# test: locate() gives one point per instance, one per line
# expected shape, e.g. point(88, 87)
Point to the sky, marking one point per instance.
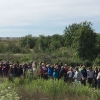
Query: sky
point(45, 17)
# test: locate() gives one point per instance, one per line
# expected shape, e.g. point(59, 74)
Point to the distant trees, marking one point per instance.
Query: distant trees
point(28, 41)
point(78, 37)
point(48, 44)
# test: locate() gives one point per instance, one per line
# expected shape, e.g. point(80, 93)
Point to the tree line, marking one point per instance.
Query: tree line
point(80, 38)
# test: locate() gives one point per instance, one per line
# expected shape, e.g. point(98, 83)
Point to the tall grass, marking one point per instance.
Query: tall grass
point(40, 89)
point(7, 90)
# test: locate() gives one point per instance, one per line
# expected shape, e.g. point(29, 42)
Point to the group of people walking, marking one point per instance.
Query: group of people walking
point(79, 74)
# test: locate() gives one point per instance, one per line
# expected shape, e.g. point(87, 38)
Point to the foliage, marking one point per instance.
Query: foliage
point(7, 92)
point(79, 43)
point(87, 40)
point(28, 41)
point(82, 38)
point(50, 90)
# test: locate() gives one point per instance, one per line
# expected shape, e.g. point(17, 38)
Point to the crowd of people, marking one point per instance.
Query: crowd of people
point(79, 74)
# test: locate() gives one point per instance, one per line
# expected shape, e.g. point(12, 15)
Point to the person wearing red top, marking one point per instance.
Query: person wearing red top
point(66, 68)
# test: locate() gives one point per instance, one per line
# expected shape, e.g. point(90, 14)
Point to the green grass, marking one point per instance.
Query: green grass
point(41, 89)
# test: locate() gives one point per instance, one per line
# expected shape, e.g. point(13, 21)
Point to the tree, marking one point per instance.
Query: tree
point(28, 41)
point(70, 34)
point(82, 38)
point(97, 44)
point(87, 39)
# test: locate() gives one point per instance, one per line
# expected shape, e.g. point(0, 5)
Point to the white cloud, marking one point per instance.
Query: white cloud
point(53, 12)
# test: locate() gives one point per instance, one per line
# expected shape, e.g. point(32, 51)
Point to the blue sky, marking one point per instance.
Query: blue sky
point(45, 17)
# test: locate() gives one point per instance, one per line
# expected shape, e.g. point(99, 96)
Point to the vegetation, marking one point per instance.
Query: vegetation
point(26, 89)
point(79, 44)
point(7, 92)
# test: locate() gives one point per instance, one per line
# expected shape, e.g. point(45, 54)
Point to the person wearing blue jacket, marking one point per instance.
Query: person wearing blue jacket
point(50, 71)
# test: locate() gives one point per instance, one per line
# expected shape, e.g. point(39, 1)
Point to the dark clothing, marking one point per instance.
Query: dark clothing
point(90, 81)
point(98, 83)
point(45, 72)
point(84, 73)
point(6, 68)
point(95, 74)
point(15, 71)
point(62, 72)
point(0, 71)
point(20, 71)
point(95, 78)
point(83, 82)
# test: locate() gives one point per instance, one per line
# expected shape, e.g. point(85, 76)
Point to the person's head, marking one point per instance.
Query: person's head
point(65, 65)
point(76, 68)
point(95, 68)
point(70, 68)
point(99, 69)
point(83, 67)
point(43, 64)
point(20, 65)
point(47, 65)
point(61, 64)
point(11, 66)
point(90, 68)
point(56, 66)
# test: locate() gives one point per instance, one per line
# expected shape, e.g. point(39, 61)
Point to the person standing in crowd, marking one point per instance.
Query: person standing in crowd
point(80, 67)
point(84, 73)
point(44, 70)
point(49, 70)
point(90, 74)
point(7, 68)
point(55, 72)
point(40, 71)
point(20, 70)
point(3, 69)
point(62, 74)
point(34, 70)
point(66, 69)
point(78, 76)
point(95, 76)
point(0, 70)
point(15, 70)
point(11, 70)
point(98, 79)
point(70, 74)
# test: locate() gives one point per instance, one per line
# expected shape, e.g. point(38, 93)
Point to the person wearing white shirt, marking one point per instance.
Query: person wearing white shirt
point(78, 75)
point(70, 74)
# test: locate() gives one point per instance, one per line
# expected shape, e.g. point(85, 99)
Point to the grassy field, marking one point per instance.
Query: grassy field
point(39, 89)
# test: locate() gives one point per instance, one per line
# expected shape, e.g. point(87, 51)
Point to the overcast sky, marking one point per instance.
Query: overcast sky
point(45, 17)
